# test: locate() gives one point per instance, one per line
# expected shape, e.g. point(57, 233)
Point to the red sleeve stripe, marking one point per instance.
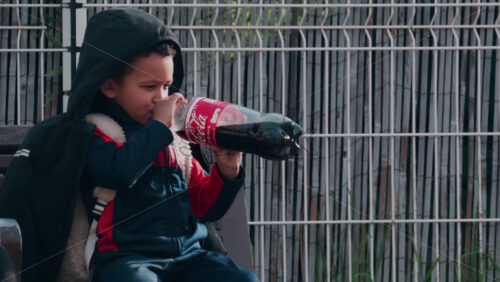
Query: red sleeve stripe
point(167, 158)
point(106, 242)
point(106, 138)
point(203, 189)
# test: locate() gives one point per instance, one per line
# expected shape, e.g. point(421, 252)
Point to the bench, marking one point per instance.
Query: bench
point(232, 229)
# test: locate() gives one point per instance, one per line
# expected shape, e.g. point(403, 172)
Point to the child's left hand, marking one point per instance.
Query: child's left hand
point(228, 162)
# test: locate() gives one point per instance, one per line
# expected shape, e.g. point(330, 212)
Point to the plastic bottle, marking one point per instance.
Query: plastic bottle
point(229, 126)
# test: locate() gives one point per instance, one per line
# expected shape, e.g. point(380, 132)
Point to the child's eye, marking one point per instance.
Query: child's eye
point(166, 86)
point(150, 87)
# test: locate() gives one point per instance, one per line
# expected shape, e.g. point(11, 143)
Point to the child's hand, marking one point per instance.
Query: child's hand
point(165, 109)
point(228, 162)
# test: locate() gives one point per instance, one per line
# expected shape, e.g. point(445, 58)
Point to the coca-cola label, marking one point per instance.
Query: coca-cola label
point(201, 120)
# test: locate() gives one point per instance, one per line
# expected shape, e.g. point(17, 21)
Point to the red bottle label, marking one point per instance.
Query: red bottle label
point(201, 120)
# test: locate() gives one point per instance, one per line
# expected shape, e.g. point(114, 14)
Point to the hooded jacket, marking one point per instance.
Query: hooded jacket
point(157, 211)
point(41, 184)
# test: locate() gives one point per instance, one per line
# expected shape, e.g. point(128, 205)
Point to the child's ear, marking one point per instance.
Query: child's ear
point(109, 88)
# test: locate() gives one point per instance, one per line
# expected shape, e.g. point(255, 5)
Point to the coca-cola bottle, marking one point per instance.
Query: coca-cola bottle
point(229, 126)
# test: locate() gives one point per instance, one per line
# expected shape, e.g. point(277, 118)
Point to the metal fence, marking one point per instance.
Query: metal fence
point(398, 178)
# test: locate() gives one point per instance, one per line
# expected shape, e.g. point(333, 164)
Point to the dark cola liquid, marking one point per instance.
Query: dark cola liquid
point(270, 140)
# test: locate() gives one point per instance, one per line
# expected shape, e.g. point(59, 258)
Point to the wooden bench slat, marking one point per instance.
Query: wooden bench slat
point(5, 161)
point(13, 135)
point(11, 138)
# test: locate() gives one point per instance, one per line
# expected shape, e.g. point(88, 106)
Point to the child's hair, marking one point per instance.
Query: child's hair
point(163, 49)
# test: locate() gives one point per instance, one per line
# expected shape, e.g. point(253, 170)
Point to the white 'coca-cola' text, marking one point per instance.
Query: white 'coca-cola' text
point(197, 128)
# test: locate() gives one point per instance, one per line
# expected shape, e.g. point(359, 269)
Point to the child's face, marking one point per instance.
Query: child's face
point(138, 91)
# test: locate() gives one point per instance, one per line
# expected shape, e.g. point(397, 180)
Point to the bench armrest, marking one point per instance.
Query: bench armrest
point(233, 231)
point(10, 247)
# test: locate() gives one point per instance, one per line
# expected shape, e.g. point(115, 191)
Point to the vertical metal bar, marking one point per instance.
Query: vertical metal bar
point(348, 141)
point(238, 54)
point(170, 14)
point(283, 206)
point(391, 121)
point(414, 140)
point(456, 79)
point(283, 163)
point(74, 22)
point(42, 74)
point(216, 39)
point(370, 146)
point(326, 143)
point(66, 43)
point(497, 31)
point(18, 68)
point(436, 139)
point(306, 144)
point(261, 160)
point(195, 60)
point(478, 126)
point(73, 37)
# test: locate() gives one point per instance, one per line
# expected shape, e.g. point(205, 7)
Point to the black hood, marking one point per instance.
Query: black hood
point(112, 38)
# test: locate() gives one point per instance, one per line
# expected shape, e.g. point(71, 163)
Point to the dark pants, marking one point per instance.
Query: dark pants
point(206, 266)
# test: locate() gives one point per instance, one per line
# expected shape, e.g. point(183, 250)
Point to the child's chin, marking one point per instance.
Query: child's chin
point(143, 121)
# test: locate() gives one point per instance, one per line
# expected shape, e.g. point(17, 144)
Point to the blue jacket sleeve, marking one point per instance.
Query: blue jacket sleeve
point(117, 167)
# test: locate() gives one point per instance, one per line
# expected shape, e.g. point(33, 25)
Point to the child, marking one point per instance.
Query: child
point(129, 64)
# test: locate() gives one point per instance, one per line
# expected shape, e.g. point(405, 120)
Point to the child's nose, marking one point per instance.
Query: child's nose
point(160, 95)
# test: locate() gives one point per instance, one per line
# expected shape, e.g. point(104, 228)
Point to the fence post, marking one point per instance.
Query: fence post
point(74, 24)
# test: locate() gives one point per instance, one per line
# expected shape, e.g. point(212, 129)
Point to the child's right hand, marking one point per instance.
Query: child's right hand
point(165, 109)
